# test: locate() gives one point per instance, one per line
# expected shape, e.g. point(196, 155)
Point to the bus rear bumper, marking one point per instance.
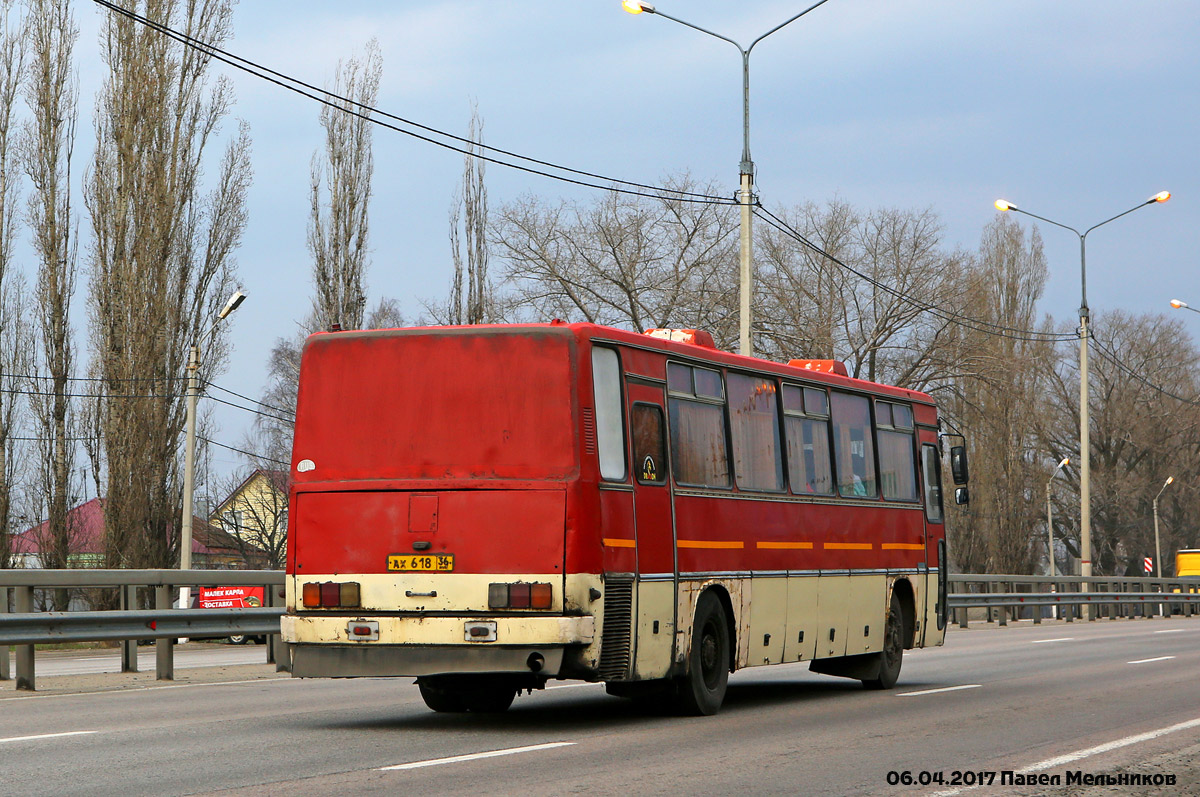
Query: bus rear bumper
point(322, 647)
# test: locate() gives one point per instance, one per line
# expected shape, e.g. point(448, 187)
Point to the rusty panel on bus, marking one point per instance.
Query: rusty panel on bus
point(484, 403)
point(484, 531)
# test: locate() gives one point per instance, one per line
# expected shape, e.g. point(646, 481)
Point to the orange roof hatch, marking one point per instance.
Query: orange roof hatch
point(696, 337)
point(824, 366)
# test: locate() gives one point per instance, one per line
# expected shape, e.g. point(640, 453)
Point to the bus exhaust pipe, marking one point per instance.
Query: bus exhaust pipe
point(536, 662)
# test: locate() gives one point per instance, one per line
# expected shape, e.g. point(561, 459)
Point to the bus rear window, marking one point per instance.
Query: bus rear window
point(426, 404)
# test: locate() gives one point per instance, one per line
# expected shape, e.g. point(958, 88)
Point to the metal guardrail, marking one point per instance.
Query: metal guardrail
point(1015, 597)
point(26, 628)
point(1002, 596)
point(42, 628)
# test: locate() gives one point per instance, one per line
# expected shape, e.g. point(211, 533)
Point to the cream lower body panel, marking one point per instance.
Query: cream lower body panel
point(415, 646)
point(300, 630)
point(792, 617)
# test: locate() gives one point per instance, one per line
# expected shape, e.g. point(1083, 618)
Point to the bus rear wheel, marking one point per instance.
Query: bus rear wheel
point(456, 695)
point(447, 701)
point(702, 690)
point(892, 655)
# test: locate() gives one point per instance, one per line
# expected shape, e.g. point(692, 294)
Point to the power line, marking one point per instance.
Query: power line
point(280, 410)
point(1115, 359)
point(331, 99)
point(245, 453)
point(47, 377)
point(288, 421)
point(16, 392)
point(977, 324)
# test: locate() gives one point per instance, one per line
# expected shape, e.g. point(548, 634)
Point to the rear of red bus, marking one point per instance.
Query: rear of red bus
point(432, 475)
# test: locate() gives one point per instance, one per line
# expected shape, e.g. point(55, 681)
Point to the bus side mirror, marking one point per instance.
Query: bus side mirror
point(958, 465)
point(961, 496)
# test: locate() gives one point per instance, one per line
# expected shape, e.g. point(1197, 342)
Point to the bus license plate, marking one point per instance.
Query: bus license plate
point(435, 563)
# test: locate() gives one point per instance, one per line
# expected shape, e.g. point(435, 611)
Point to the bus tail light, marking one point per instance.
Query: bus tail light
point(540, 596)
point(521, 595)
point(332, 595)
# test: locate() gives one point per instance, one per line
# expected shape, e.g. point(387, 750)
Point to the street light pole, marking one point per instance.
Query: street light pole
point(1157, 548)
point(189, 446)
point(1050, 515)
point(745, 168)
point(1085, 470)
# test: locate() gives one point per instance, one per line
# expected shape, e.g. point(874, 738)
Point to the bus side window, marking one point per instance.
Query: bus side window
point(853, 446)
point(931, 472)
point(699, 455)
point(649, 446)
point(806, 427)
point(610, 422)
point(897, 465)
point(754, 428)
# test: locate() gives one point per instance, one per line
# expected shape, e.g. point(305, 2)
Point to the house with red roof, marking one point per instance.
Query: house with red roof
point(212, 548)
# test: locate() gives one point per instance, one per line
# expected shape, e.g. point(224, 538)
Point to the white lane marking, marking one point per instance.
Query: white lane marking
point(474, 756)
point(1068, 758)
point(1170, 631)
point(1147, 661)
point(569, 686)
point(45, 736)
point(1060, 639)
point(942, 689)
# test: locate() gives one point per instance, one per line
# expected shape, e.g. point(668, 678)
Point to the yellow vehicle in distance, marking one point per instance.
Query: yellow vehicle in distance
point(1187, 563)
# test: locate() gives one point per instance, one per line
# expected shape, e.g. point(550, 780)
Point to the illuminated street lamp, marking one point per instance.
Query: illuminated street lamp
point(1179, 304)
point(1085, 505)
point(746, 168)
point(1050, 514)
point(1157, 548)
point(189, 450)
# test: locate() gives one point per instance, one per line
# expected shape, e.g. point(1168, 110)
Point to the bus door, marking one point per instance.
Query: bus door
point(935, 546)
point(657, 574)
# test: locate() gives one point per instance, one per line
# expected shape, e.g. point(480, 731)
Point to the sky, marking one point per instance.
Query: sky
point(1075, 110)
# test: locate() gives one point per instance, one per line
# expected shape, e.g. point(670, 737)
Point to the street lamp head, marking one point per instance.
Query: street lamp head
point(1004, 204)
point(1066, 461)
point(231, 305)
point(1161, 196)
point(1178, 303)
point(636, 6)
point(1169, 480)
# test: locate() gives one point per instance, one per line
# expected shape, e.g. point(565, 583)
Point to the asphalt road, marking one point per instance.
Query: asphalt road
point(1097, 698)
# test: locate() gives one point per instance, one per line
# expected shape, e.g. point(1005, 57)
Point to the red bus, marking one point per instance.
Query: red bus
point(487, 508)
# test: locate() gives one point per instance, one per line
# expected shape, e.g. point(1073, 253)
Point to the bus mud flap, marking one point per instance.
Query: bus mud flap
point(862, 667)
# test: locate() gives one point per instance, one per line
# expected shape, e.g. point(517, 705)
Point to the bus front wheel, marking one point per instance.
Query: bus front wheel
point(702, 690)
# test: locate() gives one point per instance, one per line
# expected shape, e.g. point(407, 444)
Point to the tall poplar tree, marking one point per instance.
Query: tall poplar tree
point(161, 257)
point(52, 92)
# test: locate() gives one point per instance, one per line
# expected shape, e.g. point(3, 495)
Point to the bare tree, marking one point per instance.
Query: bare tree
point(869, 306)
point(337, 229)
point(630, 261)
point(478, 305)
point(996, 398)
point(12, 346)
point(47, 147)
point(161, 257)
point(1145, 426)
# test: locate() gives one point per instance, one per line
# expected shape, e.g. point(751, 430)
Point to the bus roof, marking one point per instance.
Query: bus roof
point(584, 331)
